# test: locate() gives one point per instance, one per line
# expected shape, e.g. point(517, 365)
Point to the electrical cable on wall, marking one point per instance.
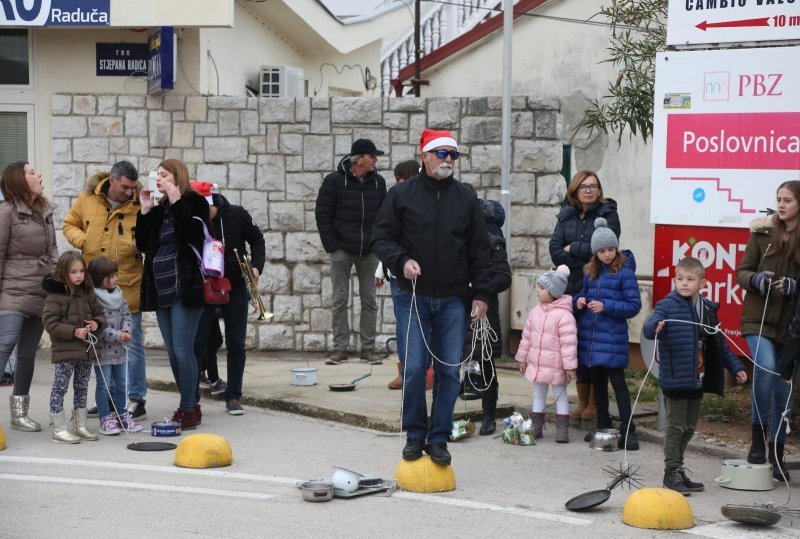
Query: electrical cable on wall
point(369, 81)
point(214, 63)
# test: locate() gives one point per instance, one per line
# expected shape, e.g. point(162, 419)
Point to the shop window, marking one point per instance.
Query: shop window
point(14, 57)
point(14, 132)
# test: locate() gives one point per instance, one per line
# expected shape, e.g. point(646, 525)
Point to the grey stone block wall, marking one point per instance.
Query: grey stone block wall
point(270, 156)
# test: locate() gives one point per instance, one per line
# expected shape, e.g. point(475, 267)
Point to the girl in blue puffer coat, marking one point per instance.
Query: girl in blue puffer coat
point(609, 296)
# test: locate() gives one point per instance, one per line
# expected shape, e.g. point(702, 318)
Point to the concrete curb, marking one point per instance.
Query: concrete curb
point(327, 414)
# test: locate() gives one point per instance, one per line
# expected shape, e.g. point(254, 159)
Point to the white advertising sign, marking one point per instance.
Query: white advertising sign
point(726, 133)
point(732, 21)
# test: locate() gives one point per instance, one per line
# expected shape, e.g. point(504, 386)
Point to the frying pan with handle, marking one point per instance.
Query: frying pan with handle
point(588, 500)
point(351, 386)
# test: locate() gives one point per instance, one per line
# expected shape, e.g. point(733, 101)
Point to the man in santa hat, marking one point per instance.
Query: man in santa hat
point(430, 232)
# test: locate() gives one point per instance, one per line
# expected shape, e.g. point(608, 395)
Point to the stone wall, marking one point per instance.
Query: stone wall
point(270, 156)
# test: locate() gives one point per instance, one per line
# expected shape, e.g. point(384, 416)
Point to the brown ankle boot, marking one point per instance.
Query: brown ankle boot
point(537, 420)
point(397, 383)
point(590, 412)
point(583, 400)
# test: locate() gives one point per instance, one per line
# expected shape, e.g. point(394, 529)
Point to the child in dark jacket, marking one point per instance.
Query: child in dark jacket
point(71, 312)
point(691, 361)
point(609, 296)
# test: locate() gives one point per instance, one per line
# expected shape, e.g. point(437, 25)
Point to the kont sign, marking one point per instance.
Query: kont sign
point(720, 250)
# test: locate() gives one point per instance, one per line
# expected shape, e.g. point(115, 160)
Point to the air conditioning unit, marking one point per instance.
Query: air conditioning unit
point(281, 81)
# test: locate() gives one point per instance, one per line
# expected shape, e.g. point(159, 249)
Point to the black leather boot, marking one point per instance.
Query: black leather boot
point(488, 426)
point(489, 405)
point(778, 464)
point(757, 453)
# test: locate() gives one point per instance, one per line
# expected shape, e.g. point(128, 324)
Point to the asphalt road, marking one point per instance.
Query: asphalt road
point(102, 489)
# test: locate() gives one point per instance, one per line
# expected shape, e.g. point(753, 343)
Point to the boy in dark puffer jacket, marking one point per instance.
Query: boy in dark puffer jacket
point(691, 361)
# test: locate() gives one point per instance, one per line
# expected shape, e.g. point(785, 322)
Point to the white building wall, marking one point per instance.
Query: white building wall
point(564, 59)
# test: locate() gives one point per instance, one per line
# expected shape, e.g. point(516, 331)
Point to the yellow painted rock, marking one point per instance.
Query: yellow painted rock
point(2, 439)
point(658, 509)
point(424, 475)
point(203, 451)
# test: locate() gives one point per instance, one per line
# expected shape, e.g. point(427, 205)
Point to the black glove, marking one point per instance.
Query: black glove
point(789, 286)
point(789, 354)
point(760, 281)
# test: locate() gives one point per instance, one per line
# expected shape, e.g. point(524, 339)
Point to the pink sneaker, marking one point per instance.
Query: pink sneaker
point(109, 426)
point(127, 423)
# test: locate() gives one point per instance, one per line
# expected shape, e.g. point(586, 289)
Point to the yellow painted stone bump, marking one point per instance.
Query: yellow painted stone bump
point(424, 475)
point(658, 509)
point(203, 451)
point(2, 439)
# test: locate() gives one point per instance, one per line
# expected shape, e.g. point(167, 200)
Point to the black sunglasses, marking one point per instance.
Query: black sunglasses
point(442, 154)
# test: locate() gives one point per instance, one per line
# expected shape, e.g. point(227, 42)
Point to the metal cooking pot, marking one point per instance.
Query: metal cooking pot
point(317, 491)
point(605, 440)
point(304, 376)
point(738, 474)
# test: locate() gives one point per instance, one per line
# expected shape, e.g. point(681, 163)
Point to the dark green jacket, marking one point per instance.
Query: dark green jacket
point(753, 261)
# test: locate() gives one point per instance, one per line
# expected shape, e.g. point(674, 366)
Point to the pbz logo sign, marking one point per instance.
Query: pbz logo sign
point(54, 12)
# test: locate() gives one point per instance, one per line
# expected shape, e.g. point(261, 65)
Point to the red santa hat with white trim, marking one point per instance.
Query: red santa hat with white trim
point(431, 139)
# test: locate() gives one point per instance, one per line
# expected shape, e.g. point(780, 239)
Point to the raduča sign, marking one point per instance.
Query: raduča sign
point(55, 12)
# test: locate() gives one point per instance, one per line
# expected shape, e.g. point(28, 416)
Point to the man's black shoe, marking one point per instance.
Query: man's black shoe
point(691, 486)
point(413, 449)
point(673, 480)
point(439, 453)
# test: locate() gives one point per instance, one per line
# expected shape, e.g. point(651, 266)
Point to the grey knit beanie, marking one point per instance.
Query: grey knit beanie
point(603, 237)
point(555, 281)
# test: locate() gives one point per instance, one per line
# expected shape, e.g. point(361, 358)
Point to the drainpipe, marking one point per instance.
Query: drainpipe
point(505, 171)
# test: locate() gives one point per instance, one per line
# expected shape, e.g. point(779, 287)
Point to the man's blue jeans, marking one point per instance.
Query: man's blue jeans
point(178, 325)
point(137, 377)
point(442, 322)
point(770, 392)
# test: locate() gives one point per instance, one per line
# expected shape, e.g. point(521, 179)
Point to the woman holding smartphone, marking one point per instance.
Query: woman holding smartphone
point(172, 285)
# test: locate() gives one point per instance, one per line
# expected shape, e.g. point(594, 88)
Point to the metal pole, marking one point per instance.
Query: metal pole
point(417, 71)
point(505, 142)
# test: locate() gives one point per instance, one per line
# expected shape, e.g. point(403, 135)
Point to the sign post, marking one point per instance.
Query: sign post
point(161, 61)
point(732, 21)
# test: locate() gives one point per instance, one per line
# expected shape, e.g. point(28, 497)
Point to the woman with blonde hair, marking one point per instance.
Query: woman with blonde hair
point(570, 245)
point(172, 284)
point(27, 254)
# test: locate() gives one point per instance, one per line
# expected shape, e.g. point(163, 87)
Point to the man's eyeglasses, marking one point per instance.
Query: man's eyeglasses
point(442, 154)
point(589, 188)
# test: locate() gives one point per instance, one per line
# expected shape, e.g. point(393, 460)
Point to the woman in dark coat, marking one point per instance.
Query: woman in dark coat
point(172, 285)
point(570, 245)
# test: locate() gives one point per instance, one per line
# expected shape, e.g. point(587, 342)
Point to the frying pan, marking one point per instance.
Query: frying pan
point(588, 500)
point(759, 516)
point(351, 386)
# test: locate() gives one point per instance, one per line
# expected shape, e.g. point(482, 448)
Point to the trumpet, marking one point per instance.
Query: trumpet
point(252, 289)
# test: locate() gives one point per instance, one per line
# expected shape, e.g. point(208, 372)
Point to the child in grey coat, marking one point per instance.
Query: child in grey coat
point(111, 351)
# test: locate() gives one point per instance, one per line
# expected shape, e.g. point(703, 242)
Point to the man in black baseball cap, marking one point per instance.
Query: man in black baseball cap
point(347, 204)
point(364, 146)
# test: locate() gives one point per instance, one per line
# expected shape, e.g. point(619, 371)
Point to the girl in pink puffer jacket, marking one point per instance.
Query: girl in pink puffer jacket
point(548, 351)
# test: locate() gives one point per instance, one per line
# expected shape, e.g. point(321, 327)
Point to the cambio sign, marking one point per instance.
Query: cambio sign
point(726, 134)
point(54, 12)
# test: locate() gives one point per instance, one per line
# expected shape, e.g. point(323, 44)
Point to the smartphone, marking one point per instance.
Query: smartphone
point(152, 185)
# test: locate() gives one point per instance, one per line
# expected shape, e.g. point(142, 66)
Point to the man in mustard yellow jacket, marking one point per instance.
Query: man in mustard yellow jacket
point(102, 222)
